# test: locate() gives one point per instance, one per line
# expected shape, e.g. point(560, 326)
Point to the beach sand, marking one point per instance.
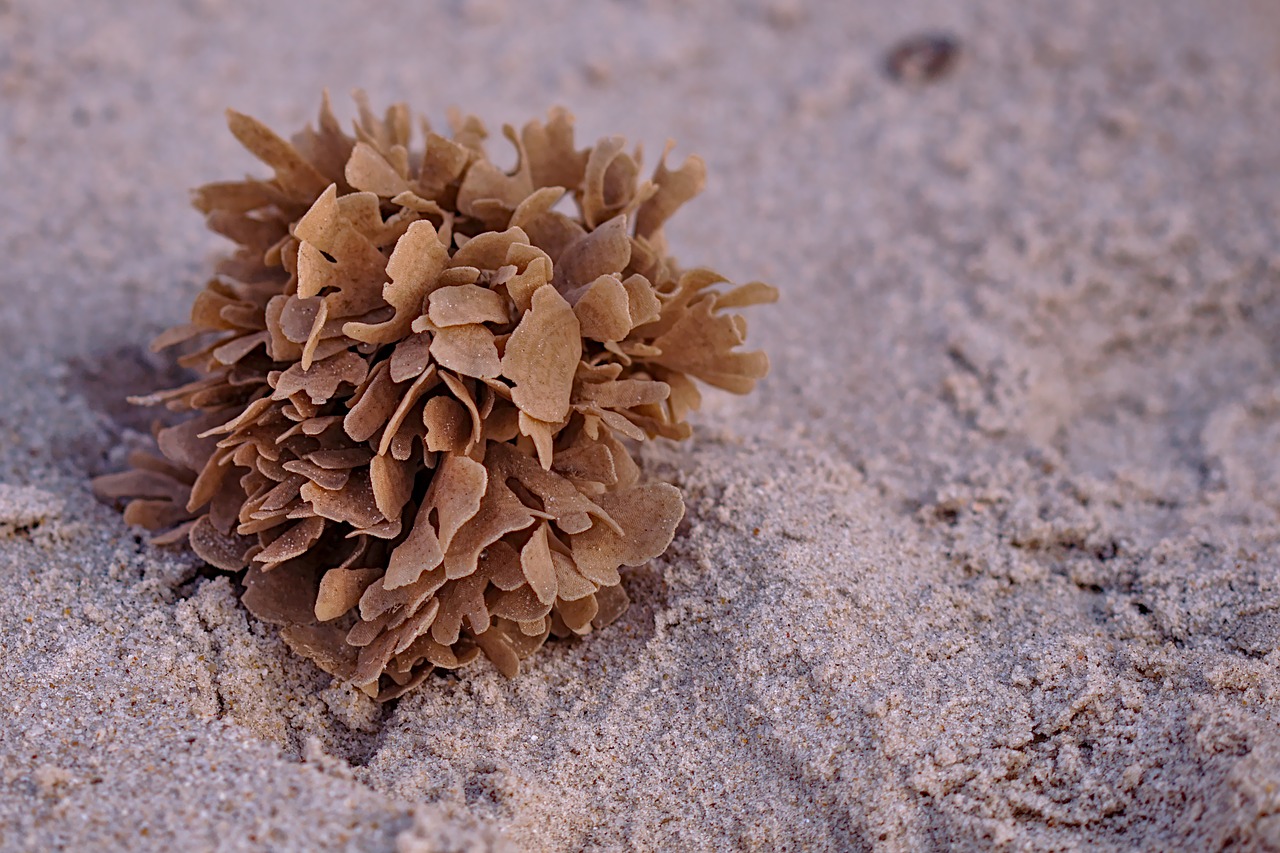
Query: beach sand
point(990, 561)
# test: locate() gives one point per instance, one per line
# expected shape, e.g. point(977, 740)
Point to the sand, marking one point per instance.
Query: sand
point(990, 561)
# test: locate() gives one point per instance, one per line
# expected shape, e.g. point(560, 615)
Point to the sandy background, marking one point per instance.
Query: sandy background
point(990, 561)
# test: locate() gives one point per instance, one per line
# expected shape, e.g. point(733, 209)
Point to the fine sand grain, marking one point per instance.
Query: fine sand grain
point(991, 559)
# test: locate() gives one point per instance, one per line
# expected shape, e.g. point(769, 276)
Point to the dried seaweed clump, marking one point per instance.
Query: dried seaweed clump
point(418, 381)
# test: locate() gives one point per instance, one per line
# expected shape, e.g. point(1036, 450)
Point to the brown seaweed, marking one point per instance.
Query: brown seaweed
point(417, 378)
